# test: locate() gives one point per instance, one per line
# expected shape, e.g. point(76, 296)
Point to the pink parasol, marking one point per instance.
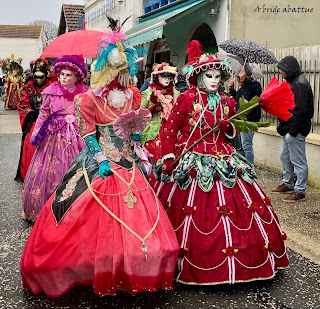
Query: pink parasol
point(80, 42)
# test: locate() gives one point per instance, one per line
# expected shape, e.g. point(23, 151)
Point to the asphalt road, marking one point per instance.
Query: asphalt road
point(296, 287)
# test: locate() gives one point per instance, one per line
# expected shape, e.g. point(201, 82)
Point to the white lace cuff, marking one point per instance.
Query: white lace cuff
point(234, 132)
point(100, 156)
point(168, 156)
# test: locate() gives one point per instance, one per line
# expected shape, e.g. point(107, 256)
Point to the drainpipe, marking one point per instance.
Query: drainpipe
point(228, 20)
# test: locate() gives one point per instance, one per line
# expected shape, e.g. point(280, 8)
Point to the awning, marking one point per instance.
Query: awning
point(151, 27)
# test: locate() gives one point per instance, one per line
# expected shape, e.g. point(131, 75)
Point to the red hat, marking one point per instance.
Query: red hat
point(201, 62)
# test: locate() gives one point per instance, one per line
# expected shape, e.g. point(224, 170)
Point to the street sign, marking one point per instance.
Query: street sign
point(1, 64)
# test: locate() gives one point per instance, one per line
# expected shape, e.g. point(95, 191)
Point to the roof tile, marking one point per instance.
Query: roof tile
point(20, 31)
point(72, 13)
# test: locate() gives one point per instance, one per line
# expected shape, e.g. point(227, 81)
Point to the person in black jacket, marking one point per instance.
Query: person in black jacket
point(294, 132)
point(249, 88)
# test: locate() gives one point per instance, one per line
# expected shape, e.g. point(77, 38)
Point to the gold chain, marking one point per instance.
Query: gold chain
point(142, 239)
point(110, 194)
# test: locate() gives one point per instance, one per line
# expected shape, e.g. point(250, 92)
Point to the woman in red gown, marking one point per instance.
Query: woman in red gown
point(28, 108)
point(226, 227)
point(109, 232)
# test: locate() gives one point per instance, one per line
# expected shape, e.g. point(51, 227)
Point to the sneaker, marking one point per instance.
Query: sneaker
point(294, 197)
point(282, 189)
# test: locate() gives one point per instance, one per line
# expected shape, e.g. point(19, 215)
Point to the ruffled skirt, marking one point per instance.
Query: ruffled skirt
point(88, 245)
point(226, 227)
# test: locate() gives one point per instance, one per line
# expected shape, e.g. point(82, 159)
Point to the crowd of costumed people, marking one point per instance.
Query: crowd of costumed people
point(134, 190)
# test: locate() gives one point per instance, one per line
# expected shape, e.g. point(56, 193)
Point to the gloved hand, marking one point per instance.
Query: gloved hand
point(225, 126)
point(33, 140)
point(93, 145)
point(136, 137)
point(105, 169)
point(167, 167)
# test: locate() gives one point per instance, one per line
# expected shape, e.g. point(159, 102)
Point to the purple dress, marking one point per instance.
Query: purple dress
point(59, 143)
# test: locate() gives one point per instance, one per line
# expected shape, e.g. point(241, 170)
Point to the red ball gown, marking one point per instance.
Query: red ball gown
point(28, 108)
point(110, 233)
point(226, 227)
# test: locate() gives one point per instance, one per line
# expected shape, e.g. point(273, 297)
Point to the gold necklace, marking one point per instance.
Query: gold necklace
point(142, 239)
point(130, 199)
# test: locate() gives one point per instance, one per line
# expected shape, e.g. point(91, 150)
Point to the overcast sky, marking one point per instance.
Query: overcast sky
point(22, 12)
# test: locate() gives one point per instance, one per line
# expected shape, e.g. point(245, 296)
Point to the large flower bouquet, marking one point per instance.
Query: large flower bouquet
point(163, 100)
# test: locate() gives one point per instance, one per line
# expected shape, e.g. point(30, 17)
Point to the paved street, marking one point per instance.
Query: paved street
point(294, 288)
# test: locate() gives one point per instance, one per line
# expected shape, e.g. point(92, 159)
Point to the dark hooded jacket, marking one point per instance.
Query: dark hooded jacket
point(250, 89)
point(300, 122)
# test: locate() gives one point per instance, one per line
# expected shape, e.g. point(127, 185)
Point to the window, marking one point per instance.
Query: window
point(151, 5)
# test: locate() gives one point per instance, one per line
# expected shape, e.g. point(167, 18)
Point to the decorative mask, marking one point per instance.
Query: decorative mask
point(211, 79)
point(165, 79)
point(39, 78)
point(67, 78)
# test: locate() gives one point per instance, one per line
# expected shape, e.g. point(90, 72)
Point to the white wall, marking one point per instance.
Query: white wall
point(28, 49)
point(122, 10)
point(267, 144)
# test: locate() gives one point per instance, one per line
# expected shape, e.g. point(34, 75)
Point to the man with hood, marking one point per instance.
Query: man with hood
point(294, 132)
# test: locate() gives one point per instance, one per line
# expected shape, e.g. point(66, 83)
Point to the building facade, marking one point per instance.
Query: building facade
point(23, 41)
point(165, 28)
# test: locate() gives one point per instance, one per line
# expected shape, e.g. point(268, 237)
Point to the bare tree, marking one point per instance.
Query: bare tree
point(50, 29)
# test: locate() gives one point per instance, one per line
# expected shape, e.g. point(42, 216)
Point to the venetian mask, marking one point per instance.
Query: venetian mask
point(39, 78)
point(67, 78)
point(211, 79)
point(165, 79)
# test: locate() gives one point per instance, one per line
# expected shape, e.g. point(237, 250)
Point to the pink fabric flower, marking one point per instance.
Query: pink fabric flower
point(115, 154)
point(196, 114)
point(70, 118)
point(133, 122)
point(166, 107)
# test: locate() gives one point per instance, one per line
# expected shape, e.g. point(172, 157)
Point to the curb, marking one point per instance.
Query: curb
point(304, 245)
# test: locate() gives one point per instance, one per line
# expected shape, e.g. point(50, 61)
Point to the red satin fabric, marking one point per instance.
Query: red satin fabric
point(206, 251)
point(89, 247)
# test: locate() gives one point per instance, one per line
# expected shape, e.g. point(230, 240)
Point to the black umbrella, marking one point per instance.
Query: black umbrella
point(249, 51)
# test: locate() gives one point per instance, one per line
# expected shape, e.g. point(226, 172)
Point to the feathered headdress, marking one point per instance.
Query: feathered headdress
point(114, 55)
point(15, 66)
point(41, 65)
point(199, 61)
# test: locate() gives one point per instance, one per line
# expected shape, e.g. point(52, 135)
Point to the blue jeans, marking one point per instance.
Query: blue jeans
point(293, 157)
point(246, 142)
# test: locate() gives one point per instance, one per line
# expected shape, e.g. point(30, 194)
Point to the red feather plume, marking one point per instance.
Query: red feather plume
point(277, 99)
point(194, 50)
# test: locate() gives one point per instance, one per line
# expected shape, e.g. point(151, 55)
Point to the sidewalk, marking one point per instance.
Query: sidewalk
point(299, 220)
point(9, 120)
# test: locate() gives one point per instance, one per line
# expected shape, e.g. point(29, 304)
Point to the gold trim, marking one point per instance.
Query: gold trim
point(125, 109)
point(117, 218)
point(236, 281)
point(93, 132)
